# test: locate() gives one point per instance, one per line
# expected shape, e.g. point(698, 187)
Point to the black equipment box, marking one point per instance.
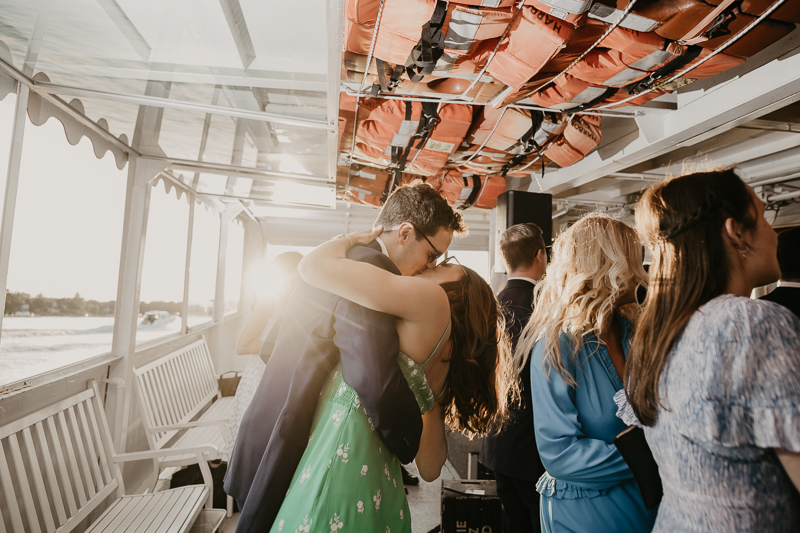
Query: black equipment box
point(470, 506)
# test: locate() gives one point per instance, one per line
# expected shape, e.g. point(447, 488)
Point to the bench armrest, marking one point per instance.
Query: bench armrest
point(199, 451)
point(189, 425)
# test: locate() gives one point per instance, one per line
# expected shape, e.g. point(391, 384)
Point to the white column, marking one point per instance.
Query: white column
point(12, 183)
point(141, 170)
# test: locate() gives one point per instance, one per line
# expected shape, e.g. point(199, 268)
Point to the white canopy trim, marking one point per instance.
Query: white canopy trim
point(40, 111)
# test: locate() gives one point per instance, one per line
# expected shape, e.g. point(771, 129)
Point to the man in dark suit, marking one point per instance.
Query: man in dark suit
point(788, 292)
point(318, 331)
point(512, 454)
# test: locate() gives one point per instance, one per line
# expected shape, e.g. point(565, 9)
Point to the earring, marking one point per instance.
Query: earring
point(744, 256)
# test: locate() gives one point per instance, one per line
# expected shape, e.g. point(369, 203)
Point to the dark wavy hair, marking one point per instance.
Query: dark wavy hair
point(682, 221)
point(481, 379)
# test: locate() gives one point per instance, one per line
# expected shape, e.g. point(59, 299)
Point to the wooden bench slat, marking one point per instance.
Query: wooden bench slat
point(177, 392)
point(127, 511)
point(164, 387)
point(193, 389)
point(102, 450)
point(55, 492)
point(182, 511)
point(25, 489)
point(62, 465)
point(72, 461)
point(147, 394)
point(88, 482)
point(17, 425)
point(154, 514)
point(89, 508)
point(92, 448)
point(38, 480)
point(10, 493)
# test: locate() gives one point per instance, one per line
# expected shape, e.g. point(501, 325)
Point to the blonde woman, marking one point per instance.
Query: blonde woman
point(578, 340)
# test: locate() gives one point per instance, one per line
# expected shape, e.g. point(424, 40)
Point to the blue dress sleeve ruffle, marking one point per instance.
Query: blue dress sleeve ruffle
point(752, 397)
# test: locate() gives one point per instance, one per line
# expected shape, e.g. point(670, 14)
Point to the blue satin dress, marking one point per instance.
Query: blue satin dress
point(588, 487)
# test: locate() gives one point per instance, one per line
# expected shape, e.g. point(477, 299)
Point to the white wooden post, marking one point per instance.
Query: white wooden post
point(188, 265)
point(141, 170)
point(12, 183)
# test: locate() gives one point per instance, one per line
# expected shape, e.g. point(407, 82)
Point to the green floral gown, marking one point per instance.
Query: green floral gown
point(347, 478)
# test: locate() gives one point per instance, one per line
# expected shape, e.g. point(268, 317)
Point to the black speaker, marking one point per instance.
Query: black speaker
point(518, 207)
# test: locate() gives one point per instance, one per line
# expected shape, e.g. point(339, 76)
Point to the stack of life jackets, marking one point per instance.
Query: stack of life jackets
point(506, 51)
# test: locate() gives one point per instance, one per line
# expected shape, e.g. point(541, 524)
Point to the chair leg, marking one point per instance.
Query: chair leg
point(229, 505)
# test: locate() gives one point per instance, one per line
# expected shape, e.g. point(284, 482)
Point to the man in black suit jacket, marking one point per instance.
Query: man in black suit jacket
point(788, 293)
point(512, 454)
point(318, 331)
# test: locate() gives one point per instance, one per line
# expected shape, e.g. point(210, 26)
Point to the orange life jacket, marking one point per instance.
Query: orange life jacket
point(533, 40)
point(463, 190)
point(572, 11)
point(788, 11)
point(399, 31)
point(447, 135)
point(580, 137)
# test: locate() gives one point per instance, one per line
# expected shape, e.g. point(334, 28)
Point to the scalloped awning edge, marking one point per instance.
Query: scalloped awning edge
point(40, 111)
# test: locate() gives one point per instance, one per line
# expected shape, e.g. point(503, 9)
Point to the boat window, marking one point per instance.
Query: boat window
point(203, 265)
point(65, 252)
point(477, 260)
point(161, 295)
point(233, 265)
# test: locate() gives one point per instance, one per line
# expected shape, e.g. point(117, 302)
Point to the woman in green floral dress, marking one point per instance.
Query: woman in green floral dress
point(456, 359)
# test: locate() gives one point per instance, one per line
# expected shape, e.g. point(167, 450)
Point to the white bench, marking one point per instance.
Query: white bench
point(58, 466)
point(171, 391)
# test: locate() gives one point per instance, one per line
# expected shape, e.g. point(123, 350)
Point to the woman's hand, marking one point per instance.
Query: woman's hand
point(362, 237)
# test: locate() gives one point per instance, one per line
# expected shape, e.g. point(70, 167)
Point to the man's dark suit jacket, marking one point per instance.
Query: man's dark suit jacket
point(319, 329)
point(789, 297)
point(513, 452)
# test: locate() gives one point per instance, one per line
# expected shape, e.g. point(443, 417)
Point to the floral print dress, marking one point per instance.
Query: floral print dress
point(347, 478)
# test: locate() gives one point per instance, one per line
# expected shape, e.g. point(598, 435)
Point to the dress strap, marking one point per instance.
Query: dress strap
point(438, 344)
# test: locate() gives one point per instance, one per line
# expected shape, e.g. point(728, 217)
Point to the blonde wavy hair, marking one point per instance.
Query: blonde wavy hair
point(594, 263)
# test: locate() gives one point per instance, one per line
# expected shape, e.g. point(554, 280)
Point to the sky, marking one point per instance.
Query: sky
point(69, 218)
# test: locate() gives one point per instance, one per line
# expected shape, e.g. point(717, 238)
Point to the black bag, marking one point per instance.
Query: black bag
point(191, 475)
point(635, 451)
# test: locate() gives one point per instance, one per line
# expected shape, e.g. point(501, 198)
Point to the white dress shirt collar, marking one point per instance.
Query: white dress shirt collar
point(524, 278)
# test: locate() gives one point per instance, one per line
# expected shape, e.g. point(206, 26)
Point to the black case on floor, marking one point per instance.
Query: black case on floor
point(469, 506)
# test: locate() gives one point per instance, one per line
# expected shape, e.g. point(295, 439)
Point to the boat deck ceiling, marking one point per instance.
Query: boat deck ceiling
point(250, 91)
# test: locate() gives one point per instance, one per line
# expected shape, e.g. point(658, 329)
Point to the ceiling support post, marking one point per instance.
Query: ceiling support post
point(12, 184)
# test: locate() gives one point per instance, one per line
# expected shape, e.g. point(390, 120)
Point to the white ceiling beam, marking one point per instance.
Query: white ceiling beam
point(233, 170)
point(756, 93)
point(153, 101)
point(335, 27)
point(126, 27)
point(293, 81)
point(238, 27)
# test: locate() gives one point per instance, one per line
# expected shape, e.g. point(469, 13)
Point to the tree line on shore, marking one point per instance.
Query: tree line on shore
point(40, 305)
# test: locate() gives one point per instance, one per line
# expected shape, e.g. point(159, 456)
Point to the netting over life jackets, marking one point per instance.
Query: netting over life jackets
point(581, 136)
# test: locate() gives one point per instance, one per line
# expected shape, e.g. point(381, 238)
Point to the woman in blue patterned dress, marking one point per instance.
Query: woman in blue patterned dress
point(454, 355)
point(578, 339)
point(714, 374)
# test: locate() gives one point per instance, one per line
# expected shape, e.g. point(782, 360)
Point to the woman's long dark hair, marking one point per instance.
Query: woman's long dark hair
point(481, 378)
point(682, 221)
